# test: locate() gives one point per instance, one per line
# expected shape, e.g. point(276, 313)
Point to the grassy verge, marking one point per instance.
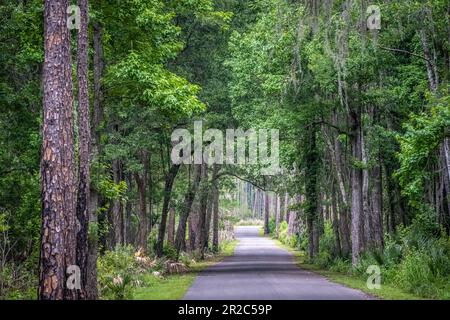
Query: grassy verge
point(174, 287)
point(388, 292)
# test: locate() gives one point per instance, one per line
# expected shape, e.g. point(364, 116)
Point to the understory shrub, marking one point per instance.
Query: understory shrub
point(118, 273)
point(326, 246)
point(416, 258)
point(272, 227)
point(18, 282)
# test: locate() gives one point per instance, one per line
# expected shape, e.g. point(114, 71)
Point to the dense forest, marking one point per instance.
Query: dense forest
point(91, 92)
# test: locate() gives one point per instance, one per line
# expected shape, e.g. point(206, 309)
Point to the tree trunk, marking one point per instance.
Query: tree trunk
point(127, 228)
point(58, 193)
point(292, 224)
point(116, 213)
point(215, 200)
point(445, 155)
point(148, 178)
point(338, 251)
point(84, 138)
point(366, 214)
point(336, 155)
point(93, 239)
point(203, 201)
point(211, 204)
point(166, 203)
point(266, 212)
point(311, 192)
point(277, 214)
point(180, 239)
point(141, 182)
point(356, 183)
point(193, 225)
point(91, 282)
point(286, 206)
point(171, 227)
point(377, 211)
point(344, 230)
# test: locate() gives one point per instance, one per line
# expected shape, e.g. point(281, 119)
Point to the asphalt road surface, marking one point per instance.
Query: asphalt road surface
point(260, 270)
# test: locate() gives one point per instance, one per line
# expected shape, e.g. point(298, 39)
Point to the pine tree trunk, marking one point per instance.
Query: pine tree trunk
point(84, 139)
point(58, 187)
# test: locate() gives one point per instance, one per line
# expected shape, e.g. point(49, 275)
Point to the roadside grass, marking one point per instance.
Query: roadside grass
point(386, 291)
point(175, 286)
point(261, 232)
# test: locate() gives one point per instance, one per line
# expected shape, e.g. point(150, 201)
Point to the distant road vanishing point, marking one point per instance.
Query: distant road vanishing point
point(260, 270)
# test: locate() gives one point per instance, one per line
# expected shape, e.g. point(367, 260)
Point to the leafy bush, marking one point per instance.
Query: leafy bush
point(118, 273)
point(415, 275)
point(326, 246)
point(185, 258)
point(272, 227)
point(170, 252)
point(17, 282)
point(341, 265)
point(392, 253)
point(426, 271)
point(289, 240)
point(416, 259)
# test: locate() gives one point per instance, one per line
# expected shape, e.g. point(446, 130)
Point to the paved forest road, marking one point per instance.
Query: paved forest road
point(260, 270)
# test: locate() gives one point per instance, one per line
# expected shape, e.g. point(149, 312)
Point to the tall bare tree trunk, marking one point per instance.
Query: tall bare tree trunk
point(58, 187)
